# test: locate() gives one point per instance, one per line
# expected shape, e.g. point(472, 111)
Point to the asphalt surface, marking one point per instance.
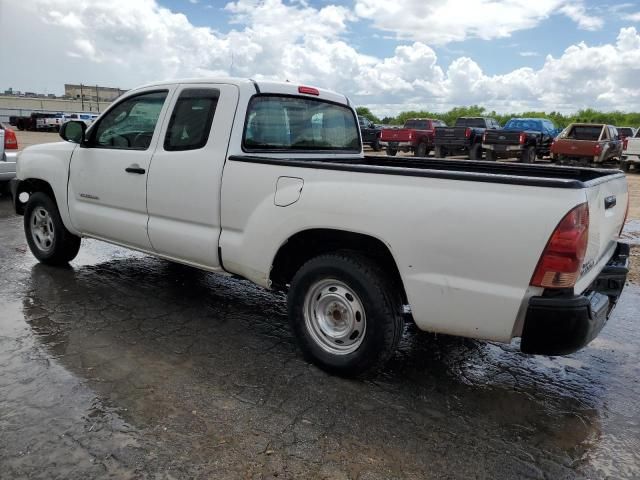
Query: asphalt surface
point(125, 366)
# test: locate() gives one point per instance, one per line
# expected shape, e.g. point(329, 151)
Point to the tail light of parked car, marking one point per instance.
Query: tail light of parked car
point(561, 261)
point(410, 135)
point(523, 138)
point(597, 150)
point(484, 137)
point(467, 133)
point(10, 140)
point(625, 142)
point(553, 145)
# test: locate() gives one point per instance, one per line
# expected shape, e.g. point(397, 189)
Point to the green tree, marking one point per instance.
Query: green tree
point(365, 112)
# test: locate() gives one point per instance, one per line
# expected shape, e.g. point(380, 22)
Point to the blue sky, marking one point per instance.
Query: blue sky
point(506, 55)
point(497, 56)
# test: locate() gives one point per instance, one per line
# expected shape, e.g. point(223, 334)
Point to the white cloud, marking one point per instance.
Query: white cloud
point(439, 22)
point(294, 41)
point(529, 54)
point(634, 17)
point(578, 13)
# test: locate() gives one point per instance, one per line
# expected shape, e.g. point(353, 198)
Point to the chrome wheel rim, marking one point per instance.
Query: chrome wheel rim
point(42, 231)
point(335, 317)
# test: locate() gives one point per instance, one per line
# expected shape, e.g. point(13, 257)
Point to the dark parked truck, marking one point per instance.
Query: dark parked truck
point(587, 144)
point(523, 138)
point(370, 133)
point(416, 136)
point(465, 138)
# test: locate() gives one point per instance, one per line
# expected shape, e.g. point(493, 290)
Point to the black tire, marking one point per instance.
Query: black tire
point(376, 145)
point(381, 310)
point(64, 245)
point(529, 155)
point(475, 152)
point(624, 166)
point(392, 151)
point(439, 152)
point(421, 150)
point(489, 156)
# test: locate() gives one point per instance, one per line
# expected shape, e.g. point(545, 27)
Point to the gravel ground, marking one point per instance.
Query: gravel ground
point(126, 366)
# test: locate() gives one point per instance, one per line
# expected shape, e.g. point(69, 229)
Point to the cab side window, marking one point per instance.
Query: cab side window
point(130, 124)
point(191, 119)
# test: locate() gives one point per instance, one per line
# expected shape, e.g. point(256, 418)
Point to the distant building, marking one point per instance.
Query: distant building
point(92, 92)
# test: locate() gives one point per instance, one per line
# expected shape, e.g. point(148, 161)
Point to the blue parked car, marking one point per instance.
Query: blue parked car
point(523, 138)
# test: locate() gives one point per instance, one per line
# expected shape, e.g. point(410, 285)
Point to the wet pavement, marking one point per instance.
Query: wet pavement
point(125, 366)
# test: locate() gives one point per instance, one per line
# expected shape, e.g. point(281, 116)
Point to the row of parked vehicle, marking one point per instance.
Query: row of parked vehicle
point(50, 121)
point(526, 139)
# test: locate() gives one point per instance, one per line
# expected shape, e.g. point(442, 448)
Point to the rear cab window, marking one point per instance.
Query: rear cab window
point(283, 123)
point(584, 132)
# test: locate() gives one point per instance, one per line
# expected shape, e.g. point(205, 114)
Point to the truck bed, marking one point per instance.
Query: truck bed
point(465, 170)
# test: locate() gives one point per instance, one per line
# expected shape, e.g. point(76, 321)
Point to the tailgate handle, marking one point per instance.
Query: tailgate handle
point(610, 202)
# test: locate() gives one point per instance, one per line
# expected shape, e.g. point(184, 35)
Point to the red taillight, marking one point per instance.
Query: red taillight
point(597, 149)
point(553, 144)
point(10, 140)
point(484, 137)
point(523, 138)
point(561, 262)
point(625, 143)
point(309, 90)
point(467, 133)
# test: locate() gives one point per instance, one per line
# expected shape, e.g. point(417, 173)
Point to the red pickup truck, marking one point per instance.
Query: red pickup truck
point(415, 136)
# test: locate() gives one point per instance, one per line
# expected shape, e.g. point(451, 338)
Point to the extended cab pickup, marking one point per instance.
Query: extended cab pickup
point(268, 181)
point(523, 138)
point(631, 153)
point(415, 136)
point(587, 144)
point(463, 138)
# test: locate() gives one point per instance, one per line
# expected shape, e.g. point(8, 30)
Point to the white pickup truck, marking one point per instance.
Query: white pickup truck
point(631, 153)
point(268, 181)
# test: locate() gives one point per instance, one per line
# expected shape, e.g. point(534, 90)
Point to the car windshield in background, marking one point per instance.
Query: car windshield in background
point(417, 124)
point(523, 125)
point(471, 122)
point(584, 132)
point(625, 132)
point(279, 123)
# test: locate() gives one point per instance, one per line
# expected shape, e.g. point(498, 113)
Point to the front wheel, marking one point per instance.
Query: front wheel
point(345, 315)
point(489, 156)
point(47, 237)
point(475, 152)
point(376, 145)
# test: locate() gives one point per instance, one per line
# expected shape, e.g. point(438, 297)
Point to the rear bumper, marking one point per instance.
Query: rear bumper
point(396, 144)
point(564, 324)
point(502, 148)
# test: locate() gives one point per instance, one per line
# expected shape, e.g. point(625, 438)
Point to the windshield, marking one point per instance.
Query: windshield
point(521, 125)
point(625, 131)
point(282, 123)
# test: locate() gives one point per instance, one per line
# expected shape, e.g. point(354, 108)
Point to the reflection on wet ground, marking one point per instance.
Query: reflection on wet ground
point(127, 366)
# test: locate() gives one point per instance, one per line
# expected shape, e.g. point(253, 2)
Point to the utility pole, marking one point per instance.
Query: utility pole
point(98, 98)
point(82, 97)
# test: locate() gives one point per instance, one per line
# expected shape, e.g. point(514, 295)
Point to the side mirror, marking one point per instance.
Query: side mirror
point(73, 131)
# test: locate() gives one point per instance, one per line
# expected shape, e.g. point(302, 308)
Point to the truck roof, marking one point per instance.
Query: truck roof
point(263, 86)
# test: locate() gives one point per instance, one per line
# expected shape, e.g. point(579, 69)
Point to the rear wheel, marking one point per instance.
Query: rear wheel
point(344, 313)
point(421, 150)
point(475, 152)
point(624, 166)
point(376, 145)
point(489, 156)
point(392, 151)
point(529, 155)
point(439, 152)
point(47, 237)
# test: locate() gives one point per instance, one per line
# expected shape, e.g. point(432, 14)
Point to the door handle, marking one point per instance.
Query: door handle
point(134, 169)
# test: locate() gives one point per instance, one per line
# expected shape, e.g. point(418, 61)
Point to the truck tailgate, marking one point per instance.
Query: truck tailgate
point(396, 135)
point(579, 148)
point(607, 200)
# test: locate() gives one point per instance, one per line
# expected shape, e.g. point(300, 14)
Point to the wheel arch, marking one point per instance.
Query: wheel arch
point(307, 244)
point(31, 186)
